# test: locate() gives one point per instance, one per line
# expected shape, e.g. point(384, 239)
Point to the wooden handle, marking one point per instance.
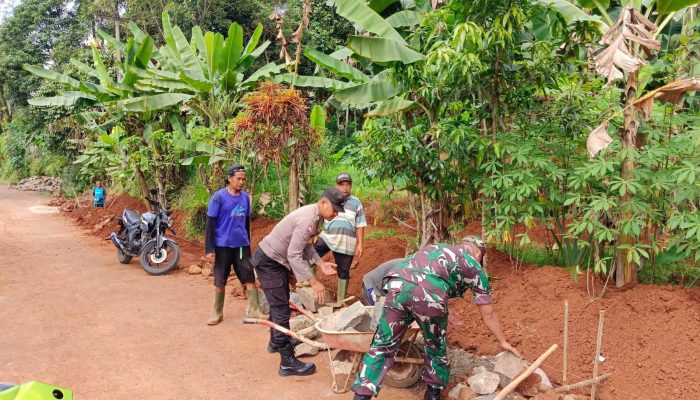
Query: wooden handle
point(313, 343)
point(502, 395)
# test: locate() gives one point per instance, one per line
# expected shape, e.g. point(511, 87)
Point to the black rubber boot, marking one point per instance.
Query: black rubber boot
point(432, 393)
point(361, 397)
point(290, 365)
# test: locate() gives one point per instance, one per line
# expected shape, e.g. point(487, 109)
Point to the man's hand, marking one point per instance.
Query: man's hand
point(507, 347)
point(319, 291)
point(327, 267)
point(210, 258)
point(358, 251)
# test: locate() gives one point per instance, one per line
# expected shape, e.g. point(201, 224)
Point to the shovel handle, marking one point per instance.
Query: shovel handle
point(270, 324)
point(302, 310)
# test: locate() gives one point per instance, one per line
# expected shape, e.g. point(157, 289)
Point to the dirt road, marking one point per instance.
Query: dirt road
point(71, 315)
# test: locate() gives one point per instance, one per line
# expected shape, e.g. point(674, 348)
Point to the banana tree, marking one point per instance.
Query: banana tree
point(628, 43)
point(382, 45)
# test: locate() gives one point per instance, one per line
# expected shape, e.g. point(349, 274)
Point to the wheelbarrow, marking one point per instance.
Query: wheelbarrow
point(351, 347)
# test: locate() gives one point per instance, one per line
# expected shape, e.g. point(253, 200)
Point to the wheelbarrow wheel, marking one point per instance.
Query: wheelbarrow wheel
point(403, 375)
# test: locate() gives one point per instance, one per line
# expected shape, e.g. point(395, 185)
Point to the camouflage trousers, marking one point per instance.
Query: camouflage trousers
point(405, 303)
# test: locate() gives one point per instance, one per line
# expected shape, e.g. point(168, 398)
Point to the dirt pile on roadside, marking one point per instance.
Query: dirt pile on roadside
point(39, 184)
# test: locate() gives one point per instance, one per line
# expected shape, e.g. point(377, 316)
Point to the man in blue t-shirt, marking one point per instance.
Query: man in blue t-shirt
point(99, 195)
point(227, 242)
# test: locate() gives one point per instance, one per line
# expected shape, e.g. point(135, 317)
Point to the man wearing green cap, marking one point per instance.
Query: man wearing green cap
point(344, 235)
point(417, 290)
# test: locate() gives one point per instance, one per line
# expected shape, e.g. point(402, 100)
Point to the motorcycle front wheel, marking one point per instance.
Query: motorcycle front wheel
point(159, 264)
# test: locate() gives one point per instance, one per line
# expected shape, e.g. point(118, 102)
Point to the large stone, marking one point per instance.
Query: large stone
point(299, 322)
point(325, 311)
point(350, 317)
point(509, 365)
point(295, 298)
point(305, 349)
point(341, 367)
point(206, 272)
point(484, 382)
point(308, 298)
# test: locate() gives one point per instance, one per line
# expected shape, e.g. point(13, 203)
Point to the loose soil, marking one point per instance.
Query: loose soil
point(651, 338)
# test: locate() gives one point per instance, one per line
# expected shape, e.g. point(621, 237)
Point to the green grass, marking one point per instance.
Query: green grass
point(676, 274)
point(362, 188)
point(379, 234)
point(531, 254)
point(193, 199)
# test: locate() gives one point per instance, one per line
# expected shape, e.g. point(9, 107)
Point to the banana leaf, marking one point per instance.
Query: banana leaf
point(383, 50)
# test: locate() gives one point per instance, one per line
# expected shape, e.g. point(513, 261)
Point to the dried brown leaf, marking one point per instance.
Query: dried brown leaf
point(669, 93)
point(631, 27)
point(598, 139)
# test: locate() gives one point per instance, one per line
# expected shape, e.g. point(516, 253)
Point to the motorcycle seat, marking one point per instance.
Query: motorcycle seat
point(131, 217)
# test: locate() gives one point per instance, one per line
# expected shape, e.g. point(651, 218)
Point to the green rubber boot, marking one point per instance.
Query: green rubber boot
point(218, 314)
point(342, 290)
point(253, 309)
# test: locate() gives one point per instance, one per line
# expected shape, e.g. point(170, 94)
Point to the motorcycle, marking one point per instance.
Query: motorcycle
point(142, 235)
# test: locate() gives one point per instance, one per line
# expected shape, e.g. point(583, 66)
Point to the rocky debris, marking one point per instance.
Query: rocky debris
point(206, 272)
point(106, 220)
point(194, 269)
point(305, 349)
point(39, 184)
point(353, 317)
point(508, 366)
point(237, 289)
point(461, 392)
point(485, 382)
point(308, 298)
point(299, 322)
point(575, 397)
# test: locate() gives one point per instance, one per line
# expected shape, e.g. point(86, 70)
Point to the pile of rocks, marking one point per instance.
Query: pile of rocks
point(39, 184)
point(483, 382)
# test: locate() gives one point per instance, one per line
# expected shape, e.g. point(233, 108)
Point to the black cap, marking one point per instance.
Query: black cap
point(235, 168)
point(344, 177)
point(336, 197)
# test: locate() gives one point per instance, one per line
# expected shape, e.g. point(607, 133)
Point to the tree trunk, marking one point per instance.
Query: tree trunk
point(5, 111)
point(293, 202)
point(432, 228)
point(626, 271)
point(144, 185)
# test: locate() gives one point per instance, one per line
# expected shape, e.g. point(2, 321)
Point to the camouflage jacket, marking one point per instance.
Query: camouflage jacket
point(444, 271)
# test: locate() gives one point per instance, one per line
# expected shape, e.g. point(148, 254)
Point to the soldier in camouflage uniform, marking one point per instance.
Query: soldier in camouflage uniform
point(417, 290)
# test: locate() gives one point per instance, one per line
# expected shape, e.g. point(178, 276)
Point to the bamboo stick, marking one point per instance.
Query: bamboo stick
point(599, 343)
point(581, 384)
point(509, 388)
point(566, 343)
